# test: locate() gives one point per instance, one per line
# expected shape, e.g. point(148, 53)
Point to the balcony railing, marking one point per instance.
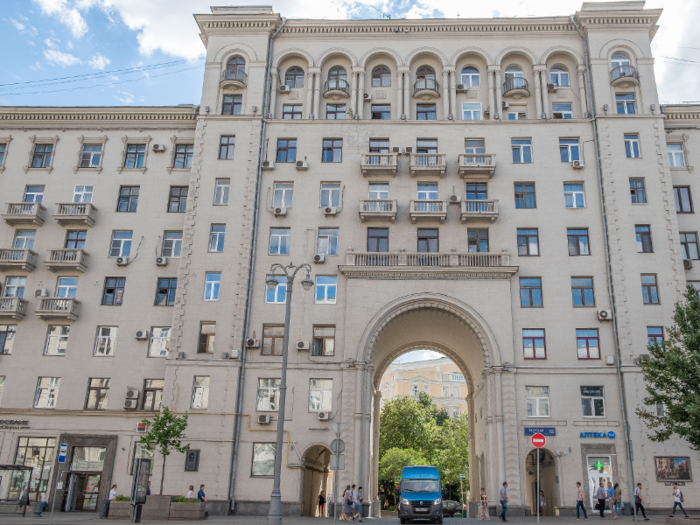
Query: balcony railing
point(234, 76)
point(624, 73)
point(336, 86)
point(72, 213)
point(14, 259)
point(58, 307)
point(479, 210)
point(377, 209)
point(428, 210)
point(427, 86)
point(13, 307)
point(379, 164)
point(24, 213)
point(428, 259)
point(516, 86)
point(428, 164)
point(477, 165)
point(70, 259)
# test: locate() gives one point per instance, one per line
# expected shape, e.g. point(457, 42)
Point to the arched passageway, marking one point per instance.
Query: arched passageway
point(549, 481)
point(315, 479)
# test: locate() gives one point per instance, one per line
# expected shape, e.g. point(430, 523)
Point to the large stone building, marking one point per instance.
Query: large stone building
point(498, 190)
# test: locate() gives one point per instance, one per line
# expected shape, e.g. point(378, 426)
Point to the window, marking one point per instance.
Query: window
point(294, 78)
point(530, 291)
point(233, 104)
point(291, 112)
point(90, 156)
point(165, 291)
point(533, 344)
point(83, 193)
point(273, 340)
point(326, 286)
point(135, 155)
point(34, 194)
point(97, 394)
point(221, 190)
point(56, 340)
point(237, 67)
point(522, 151)
point(582, 291)
point(7, 337)
point(47, 392)
point(268, 395)
point(381, 77)
point(675, 155)
point(592, 401)
point(569, 150)
point(2, 386)
point(574, 196)
point(537, 401)
point(217, 236)
point(200, 392)
point(335, 111)
point(528, 242)
point(183, 155)
point(24, 239)
point(14, 286)
point(177, 201)
point(337, 78)
point(113, 293)
point(279, 294)
point(378, 240)
point(263, 459)
point(42, 155)
point(128, 199)
point(559, 76)
point(66, 287)
point(378, 146)
point(121, 244)
point(286, 150)
point(587, 344)
point(428, 146)
point(684, 202)
point(637, 191)
point(320, 395)
point(324, 340)
point(619, 60)
point(513, 72)
point(428, 240)
point(578, 242)
point(226, 146)
point(471, 111)
point(478, 240)
point(106, 340)
point(650, 292)
point(525, 195)
point(332, 150)
point(689, 245)
point(282, 194)
point(655, 335)
point(517, 115)
point(3, 149)
point(330, 194)
point(327, 241)
point(427, 191)
point(625, 104)
point(38, 453)
point(279, 241)
point(643, 234)
point(172, 244)
point(378, 190)
point(426, 112)
point(212, 286)
point(470, 77)
point(562, 111)
point(632, 146)
point(207, 337)
point(381, 112)
point(474, 146)
point(153, 394)
point(160, 341)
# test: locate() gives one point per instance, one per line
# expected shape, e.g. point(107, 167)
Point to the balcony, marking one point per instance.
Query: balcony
point(75, 214)
point(13, 308)
point(24, 213)
point(624, 75)
point(336, 87)
point(427, 164)
point(485, 210)
point(234, 78)
point(516, 87)
point(12, 259)
point(478, 166)
point(379, 164)
point(58, 308)
point(67, 259)
point(428, 211)
point(377, 209)
point(426, 89)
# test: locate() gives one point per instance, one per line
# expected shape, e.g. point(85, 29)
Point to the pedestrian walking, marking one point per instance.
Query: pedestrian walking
point(610, 494)
point(201, 496)
point(148, 489)
point(600, 494)
point(190, 493)
point(484, 507)
point(358, 504)
point(639, 501)
point(347, 504)
point(504, 500)
point(618, 499)
point(579, 502)
point(321, 504)
point(677, 501)
point(104, 511)
point(543, 502)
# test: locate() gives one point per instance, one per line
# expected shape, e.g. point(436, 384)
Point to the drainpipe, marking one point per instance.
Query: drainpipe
point(251, 273)
point(611, 292)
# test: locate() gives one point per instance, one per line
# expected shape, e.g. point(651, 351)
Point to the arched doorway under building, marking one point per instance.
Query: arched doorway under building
point(316, 478)
point(549, 481)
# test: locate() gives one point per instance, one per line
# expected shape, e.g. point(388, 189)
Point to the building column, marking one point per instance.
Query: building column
point(361, 95)
point(399, 94)
point(453, 95)
point(499, 90)
point(353, 94)
point(445, 94)
point(492, 100)
point(375, 449)
point(546, 110)
point(273, 94)
point(581, 70)
point(407, 94)
point(317, 93)
point(538, 90)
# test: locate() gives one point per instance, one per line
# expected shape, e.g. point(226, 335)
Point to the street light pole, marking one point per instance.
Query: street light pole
point(274, 516)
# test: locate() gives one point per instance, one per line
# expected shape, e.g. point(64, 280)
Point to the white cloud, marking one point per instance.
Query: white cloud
point(49, 43)
point(418, 355)
point(69, 45)
point(24, 27)
point(67, 15)
point(98, 61)
point(36, 66)
point(54, 56)
point(125, 98)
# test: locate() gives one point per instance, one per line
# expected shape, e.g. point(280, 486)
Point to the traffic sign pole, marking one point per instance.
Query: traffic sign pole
point(538, 441)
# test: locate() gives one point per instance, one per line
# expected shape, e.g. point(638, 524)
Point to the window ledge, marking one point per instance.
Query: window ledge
point(640, 204)
point(682, 168)
point(171, 169)
point(142, 170)
point(97, 169)
point(29, 168)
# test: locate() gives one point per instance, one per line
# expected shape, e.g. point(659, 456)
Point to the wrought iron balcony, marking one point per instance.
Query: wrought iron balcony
point(426, 88)
point(427, 164)
point(234, 77)
point(428, 210)
point(379, 164)
point(24, 213)
point(377, 209)
point(14, 259)
point(479, 210)
point(623, 74)
point(58, 308)
point(479, 166)
point(75, 214)
point(336, 87)
point(13, 308)
point(67, 259)
point(516, 86)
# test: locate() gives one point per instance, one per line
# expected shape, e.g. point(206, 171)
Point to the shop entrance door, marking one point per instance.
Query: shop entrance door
point(599, 471)
point(84, 491)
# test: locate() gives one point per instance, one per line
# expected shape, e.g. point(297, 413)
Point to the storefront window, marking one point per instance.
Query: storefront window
point(89, 459)
point(39, 454)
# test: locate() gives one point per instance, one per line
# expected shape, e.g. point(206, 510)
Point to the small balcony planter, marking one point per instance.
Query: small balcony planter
point(183, 509)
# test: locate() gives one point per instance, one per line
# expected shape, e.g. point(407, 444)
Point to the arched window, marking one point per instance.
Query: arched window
point(294, 77)
point(236, 63)
point(513, 72)
point(337, 78)
point(470, 77)
point(425, 73)
point(559, 76)
point(381, 77)
point(619, 60)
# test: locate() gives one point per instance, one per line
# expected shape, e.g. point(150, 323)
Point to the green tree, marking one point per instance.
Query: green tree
point(166, 433)
point(439, 415)
point(395, 459)
point(672, 374)
point(453, 455)
point(406, 424)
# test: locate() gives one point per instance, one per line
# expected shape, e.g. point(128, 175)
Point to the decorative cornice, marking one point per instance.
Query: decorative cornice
point(420, 272)
point(25, 115)
point(681, 112)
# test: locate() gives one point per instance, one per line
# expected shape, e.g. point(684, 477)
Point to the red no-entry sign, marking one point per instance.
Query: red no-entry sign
point(538, 441)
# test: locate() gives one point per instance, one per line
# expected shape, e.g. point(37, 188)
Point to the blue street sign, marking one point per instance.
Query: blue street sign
point(62, 452)
point(545, 431)
point(462, 476)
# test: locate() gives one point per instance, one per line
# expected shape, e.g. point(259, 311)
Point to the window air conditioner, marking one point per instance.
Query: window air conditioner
point(461, 88)
point(505, 105)
point(551, 88)
point(605, 315)
point(122, 261)
point(578, 164)
point(268, 165)
point(159, 148)
point(132, 393)
point(264, 419)
point(302, 165)
point(280, 212)
point(142, 334)
point(252, 343)
point(687, 264)
point(131, 404)
point(396, 149)
point(331, 210)
point(454, 199)
point(318, 258)
point(161, 261)
point(303, 345)
point(409, 149)
point(324, 416)
point(284, 88)
point(367, 97)
point(40, 292)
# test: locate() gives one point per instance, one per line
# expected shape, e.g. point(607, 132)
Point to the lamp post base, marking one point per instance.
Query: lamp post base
point(274, 516)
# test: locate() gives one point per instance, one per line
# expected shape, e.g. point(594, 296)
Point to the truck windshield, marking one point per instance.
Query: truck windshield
point(421, 485)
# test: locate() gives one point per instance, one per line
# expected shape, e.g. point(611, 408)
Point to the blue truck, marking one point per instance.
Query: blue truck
point(421, 495)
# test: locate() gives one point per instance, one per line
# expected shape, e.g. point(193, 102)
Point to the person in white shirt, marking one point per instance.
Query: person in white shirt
point(677, 501)
point(113, 493)
point(190, 493)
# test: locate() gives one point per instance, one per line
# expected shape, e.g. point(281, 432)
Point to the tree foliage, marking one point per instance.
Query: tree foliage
point(395, 459)
point(166, 433)
point(672, 374)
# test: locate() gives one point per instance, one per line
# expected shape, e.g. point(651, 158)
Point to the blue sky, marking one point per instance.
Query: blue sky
point(55, 39)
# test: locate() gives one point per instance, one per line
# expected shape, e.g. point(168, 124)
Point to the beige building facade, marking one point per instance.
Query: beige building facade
point(506, 192)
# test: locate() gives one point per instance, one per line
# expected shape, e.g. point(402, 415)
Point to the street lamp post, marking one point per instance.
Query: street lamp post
point(274, 516)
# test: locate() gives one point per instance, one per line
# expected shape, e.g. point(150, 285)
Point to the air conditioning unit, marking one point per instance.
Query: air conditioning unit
point(367, 97)
point(609, 360)
point(409, 149)
point(122, 261)
point(687, 264)
point(454, 199)
point(396, 149)
point(551, 88)
point(320, 259)
point(268, 165)
point(331, 210)
point(487, 109)
point(285, 88)
point(142, 334)
point(41, 292)
point(131, 404)
point(302, 165)
point(324, 416)
point(280, 212)
point(637, 361)
point(578, 164)
point(264, 419)
point(181, 355)
point(159, 148)
point(605, 315)
point(224, 355)
point(303, 345)
point(505, 105)
point(234, 354)
point(161, 261)
point(461, 88)
point(252, 343)
point(132, 393)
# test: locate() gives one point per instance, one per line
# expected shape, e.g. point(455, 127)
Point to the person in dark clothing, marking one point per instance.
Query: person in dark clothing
point(639, 501)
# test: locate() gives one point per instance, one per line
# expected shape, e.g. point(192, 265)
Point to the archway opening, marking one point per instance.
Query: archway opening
point(549, 483)
point(315, 480)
